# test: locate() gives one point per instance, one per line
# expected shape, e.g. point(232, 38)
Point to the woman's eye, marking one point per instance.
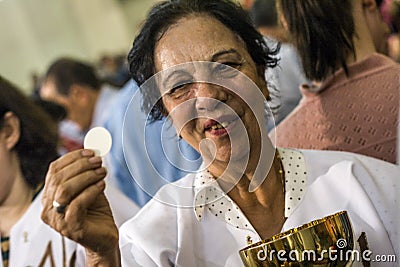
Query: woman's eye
point(222, 67)
point(179, 89)
point(227, 69)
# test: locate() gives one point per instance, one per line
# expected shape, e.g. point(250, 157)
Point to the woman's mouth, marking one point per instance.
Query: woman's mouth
point(219, 128)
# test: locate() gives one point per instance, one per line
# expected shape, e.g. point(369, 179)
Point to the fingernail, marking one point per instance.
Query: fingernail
point(101, 183)
point(100, 171)
point(87, 153)
point(95, 160)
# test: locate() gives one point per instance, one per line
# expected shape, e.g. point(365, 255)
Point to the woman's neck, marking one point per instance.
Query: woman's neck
point(266, 203)
point(266, 190)
point(249, 172)
point(259, 182)
point(258, 190)
point(15, 203)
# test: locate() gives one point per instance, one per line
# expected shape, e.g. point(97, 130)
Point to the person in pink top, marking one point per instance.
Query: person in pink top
point(353, 102)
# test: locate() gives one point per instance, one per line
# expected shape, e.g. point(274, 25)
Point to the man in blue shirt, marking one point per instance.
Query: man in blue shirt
point(144, 156)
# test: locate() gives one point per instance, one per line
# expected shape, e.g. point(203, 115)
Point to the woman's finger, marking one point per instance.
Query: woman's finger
point(84, 213)
point(75, 168)
point(68, 158)
point(99, 232)
point(79, 206)
point(71, 165)
point(71, 188)
point(73, 220)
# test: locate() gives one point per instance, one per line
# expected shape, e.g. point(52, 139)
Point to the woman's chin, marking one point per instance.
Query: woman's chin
point(233, 157)
point(223, 154)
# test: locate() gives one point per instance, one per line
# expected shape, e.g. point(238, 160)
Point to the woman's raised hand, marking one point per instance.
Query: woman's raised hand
point(74, 205)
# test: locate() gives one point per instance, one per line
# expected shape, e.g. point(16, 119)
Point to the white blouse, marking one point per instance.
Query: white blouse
point(192, 222)
point(34, 243)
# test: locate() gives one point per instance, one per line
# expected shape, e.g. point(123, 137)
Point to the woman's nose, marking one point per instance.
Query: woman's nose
point(209, 96)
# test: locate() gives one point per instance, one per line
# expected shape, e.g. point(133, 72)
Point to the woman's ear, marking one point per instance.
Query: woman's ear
point(11, 129)
point(78, 94)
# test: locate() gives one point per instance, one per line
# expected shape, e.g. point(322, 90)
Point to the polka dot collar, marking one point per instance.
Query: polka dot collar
point(210, 197)
point(294, 167)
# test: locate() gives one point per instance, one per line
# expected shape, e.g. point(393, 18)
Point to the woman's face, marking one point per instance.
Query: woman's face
point(202, 110)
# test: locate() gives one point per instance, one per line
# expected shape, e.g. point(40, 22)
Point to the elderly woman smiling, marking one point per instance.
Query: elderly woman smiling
point(210, 64)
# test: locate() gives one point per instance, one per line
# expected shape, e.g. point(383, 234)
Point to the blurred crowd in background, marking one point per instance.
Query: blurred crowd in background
point(112, 69)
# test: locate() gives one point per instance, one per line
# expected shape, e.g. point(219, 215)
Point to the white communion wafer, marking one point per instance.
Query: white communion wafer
point(99, 140)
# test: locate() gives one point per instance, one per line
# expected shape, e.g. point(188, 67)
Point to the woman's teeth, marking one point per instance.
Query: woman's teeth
point(220, 125)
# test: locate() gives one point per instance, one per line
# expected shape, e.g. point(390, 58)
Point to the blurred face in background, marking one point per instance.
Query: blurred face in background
point(49, 92)
point(246, 4)
point(78, 103)
point(378, 28)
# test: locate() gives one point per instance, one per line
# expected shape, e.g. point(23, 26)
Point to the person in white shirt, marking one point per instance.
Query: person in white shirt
point(28, 143)
point(205, 62)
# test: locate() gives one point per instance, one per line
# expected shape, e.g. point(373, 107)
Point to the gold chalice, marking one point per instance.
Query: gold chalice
point(324, 242)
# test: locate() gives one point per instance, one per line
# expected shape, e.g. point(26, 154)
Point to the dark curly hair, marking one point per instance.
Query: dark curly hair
point(322, 31)
point(165, 14)
point(37, 145)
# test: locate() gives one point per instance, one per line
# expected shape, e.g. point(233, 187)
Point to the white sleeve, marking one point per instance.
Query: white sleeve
point(146, 245)
point(383, 190)
point(121, 206)
point(128, 253)
point(150, 238)
point(80, 256)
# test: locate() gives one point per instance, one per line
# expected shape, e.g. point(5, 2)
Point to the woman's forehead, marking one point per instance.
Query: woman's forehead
point(195, 38)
